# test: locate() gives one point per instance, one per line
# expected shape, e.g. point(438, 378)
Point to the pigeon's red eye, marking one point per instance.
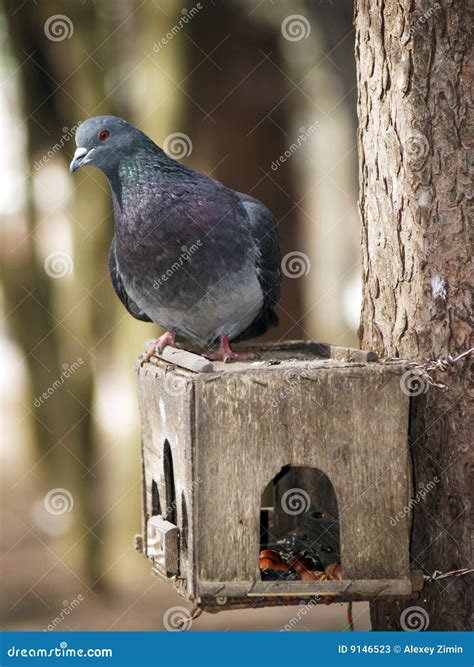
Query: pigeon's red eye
point(104, 135)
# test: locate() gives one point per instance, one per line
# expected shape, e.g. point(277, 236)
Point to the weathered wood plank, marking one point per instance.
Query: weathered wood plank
point(369, 587)
point(167, 416)
point(353, 428)
point(298, 349)
point(188, 360)
point(312, 348)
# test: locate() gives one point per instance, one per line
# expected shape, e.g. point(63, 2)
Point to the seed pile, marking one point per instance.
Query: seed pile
point(289, 566)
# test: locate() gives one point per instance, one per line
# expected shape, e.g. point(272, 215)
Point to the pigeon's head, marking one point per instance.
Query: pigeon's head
point(102, 141)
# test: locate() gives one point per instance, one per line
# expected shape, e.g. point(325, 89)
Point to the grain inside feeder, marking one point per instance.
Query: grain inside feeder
point(276, 478)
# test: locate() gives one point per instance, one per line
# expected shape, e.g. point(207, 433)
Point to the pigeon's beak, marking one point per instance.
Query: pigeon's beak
point(78, 159)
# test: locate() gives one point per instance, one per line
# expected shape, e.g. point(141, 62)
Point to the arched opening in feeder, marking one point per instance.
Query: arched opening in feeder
point(299, 527)
point(170, 510)
point(184, 527)
point(155, 499)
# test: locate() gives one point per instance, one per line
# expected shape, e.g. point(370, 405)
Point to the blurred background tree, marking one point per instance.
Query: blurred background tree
point(266, 109)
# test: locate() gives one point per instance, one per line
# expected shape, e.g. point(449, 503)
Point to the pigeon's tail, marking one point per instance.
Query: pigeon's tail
point(267, 319)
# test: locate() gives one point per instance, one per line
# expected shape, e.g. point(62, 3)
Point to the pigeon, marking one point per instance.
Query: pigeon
point(197, 258)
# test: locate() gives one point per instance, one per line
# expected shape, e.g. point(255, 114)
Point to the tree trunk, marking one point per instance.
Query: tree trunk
point(414, 128)
point(65, 435)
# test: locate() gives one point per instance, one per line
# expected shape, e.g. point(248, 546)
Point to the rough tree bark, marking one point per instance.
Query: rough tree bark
point(414, 62)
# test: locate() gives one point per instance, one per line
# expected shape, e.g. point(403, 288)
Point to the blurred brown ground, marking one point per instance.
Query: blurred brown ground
point(39, 581)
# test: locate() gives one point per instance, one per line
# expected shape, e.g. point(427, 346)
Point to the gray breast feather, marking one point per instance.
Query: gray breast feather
point(229, 306)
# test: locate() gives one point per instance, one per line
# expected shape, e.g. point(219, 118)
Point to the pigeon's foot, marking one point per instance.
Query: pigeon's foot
point(160, 343)
point(225, 354)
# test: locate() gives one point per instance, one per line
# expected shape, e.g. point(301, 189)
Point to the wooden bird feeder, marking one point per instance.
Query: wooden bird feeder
point(308, 441)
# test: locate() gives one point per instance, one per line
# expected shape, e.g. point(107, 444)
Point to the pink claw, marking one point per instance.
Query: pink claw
point(158, 345)
point(225, 353)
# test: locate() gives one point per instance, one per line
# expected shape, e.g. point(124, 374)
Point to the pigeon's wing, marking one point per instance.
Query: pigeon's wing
point(263, 227)
point(264, 231)
point(120, 290)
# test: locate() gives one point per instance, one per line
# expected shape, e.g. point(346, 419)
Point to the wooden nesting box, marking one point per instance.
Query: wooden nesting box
point(308, 442)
